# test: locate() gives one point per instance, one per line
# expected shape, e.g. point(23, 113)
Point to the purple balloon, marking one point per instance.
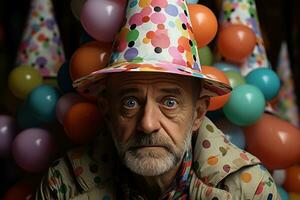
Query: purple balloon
point(8, 130)
point(102, 19)
point(34, 149)
point(65, 103)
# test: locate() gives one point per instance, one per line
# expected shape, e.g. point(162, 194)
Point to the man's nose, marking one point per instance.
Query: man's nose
point(149, 120)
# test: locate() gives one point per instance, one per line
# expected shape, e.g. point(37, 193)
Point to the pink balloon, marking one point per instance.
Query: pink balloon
point(65, 103)
point(102, 19)
point(8, 130)
point(34, 149)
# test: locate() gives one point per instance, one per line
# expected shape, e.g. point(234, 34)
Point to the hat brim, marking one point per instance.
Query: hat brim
point(90, 84)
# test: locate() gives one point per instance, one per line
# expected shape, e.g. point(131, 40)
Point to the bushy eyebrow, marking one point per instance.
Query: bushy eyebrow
point(173, 91)
point(125, 91)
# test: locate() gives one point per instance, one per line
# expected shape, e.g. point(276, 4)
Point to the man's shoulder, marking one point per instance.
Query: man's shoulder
point(215, 157)
point(78, 174)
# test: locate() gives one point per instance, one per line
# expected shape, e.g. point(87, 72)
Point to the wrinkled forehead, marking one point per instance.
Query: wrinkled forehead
point(120, 79)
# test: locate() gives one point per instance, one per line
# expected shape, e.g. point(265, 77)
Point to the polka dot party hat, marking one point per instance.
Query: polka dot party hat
point(41, 45)
point(244, 12)
point(157, 36)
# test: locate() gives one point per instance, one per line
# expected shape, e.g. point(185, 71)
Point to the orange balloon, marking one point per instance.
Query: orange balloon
point(21, 190)
point(82, 122)
point(236, 42)
point(274, 141)
point(292, 180)
point(204, 23)
point(220, 101)
point(90, 57)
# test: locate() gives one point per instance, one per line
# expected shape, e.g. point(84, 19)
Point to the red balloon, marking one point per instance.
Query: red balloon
point(204, 23)
point(23, 190)
point(292, 179)
point(236, 42)
point(219, 101)
point(274, 141)
point(82, 122)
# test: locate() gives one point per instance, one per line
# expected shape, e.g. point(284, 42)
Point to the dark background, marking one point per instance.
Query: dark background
point(279, 20)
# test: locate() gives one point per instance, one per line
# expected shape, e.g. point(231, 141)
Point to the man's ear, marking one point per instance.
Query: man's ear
point(202, 104)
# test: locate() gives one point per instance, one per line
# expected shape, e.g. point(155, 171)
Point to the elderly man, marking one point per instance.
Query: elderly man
point(157, 143)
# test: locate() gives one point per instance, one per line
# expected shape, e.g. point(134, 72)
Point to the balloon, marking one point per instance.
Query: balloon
point(232, 132)
point(88, 58)
point(82, 122)
point(102, 19)
point(204, 24)
point(279, 176)
point(42, 101)
point(235, 78)
point(283, 194)
point(220, 101)
point(294, 196)
point(64, 79)
point(65, 103)
point(22, 190)
point(274, 141)
point(292, 180)
point(266, 80)
point(245, 106)
point(22, 80)
point(76, 6)
point(8, 130)
point(25, 117)
point(223, 66)
point(205, 56)
point(236, 42)
point(34, 149)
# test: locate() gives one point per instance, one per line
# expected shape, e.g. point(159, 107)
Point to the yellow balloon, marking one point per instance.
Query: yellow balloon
point(22, 80)
point(294, 196)
point(76, 6)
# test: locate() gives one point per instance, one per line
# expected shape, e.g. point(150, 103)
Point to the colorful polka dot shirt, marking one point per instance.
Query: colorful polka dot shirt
point(219, 171)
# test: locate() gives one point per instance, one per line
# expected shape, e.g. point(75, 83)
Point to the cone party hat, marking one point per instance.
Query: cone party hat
point(41, 45)
point(244, 12)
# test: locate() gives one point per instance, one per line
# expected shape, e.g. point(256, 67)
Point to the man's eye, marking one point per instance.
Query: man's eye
point(130, 103)
point(170, 103)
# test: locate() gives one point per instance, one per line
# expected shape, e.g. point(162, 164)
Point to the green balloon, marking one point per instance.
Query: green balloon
point(245, 106)
point(205, 56)
point(235, 78)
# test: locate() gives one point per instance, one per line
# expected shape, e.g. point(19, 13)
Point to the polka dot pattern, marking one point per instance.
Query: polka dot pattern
point(41, 45)
point(235, 170)
point(157, 36)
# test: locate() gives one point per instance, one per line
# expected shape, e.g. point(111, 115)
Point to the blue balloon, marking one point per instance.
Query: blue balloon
point(25, 117)
point(266, 80)
point(192, 1)
point(64, 79)
point(283, 194)
point(42, 101)
point(225, 67)
point(232, 132)
point(245, 106)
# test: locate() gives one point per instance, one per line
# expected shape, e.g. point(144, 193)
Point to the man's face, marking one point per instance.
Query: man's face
point(152, 117)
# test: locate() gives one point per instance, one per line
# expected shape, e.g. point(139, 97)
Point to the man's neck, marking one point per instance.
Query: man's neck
point(154, 186)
